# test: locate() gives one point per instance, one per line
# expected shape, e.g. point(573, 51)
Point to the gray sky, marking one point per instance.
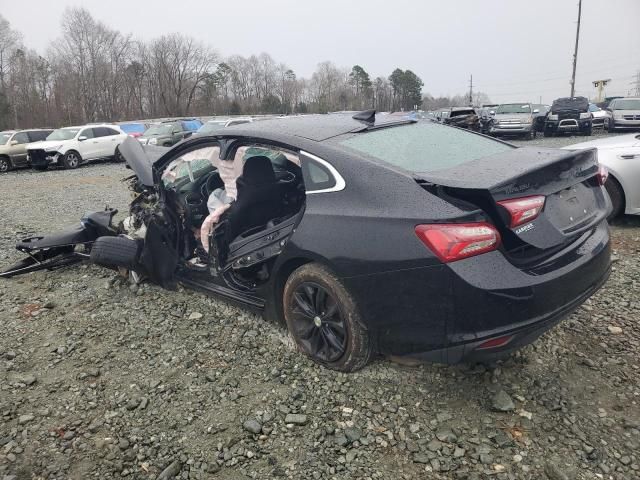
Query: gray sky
point(517, 50)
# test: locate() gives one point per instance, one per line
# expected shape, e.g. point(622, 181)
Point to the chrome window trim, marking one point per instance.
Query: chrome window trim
point(340, 183)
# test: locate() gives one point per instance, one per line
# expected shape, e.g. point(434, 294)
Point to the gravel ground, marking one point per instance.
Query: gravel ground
point(100, 379)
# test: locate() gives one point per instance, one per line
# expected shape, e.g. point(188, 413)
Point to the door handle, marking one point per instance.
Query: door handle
point(95, 141)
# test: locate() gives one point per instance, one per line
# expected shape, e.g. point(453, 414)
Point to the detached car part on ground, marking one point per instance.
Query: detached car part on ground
point(368, 234)
point(569, 115)
point(620, 155)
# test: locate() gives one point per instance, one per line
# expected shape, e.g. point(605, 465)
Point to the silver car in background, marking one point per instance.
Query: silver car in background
point(625, 113)
point(600, 117)
point(621, 157)
point(511, 119)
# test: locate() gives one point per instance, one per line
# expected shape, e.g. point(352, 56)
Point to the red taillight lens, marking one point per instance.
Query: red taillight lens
point(602, 175)
point(495, 342)
point(455, 241)
point(523, 210)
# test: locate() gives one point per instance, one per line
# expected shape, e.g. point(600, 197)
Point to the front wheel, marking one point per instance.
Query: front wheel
point(611, 126)
point(71, 160)
point(324, 319)
point(548, 132)
point(40, 168)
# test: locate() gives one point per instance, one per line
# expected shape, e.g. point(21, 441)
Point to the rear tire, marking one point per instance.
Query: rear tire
point(616, 194)
point(71, 159)
point(5, 164)
point(326, 325)
point(117, 156)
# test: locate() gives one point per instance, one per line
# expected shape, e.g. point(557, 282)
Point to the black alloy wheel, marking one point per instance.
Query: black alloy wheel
point(318, 322)
point(324, 319)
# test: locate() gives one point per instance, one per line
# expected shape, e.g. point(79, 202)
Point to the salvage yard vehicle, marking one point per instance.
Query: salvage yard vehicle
point(600, 117)
point(13, 146)
point(620, 155)
point(569, 114)
point(133, 129)
point(463, 117)
point(625, 114)
point(170, 132)
point(513, 119)
point(364, 234)
point(70, 147)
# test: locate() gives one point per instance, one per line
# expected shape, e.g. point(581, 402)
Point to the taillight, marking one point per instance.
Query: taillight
point(523, 210)
point(602, 175)
point(455, 241)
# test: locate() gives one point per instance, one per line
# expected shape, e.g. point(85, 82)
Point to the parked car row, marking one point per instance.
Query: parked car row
point(565, 115)
point(70, 147)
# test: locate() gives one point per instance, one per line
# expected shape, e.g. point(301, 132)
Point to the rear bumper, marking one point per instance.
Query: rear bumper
point(444, 313)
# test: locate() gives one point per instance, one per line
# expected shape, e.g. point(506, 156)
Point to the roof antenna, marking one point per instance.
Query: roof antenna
point(367, 116)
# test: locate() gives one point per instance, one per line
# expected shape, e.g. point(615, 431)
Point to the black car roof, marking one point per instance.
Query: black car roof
point(314, 127)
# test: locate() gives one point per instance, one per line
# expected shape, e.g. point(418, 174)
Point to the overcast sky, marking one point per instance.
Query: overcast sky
point(516, 50)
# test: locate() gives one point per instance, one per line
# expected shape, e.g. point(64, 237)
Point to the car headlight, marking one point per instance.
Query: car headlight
point(153, 141)
point(553, 116)
point(53, 148)
point(584, 116)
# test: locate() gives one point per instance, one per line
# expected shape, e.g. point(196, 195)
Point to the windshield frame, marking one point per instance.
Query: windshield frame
point(513, 111)
point(635, 101)
point(9, 136)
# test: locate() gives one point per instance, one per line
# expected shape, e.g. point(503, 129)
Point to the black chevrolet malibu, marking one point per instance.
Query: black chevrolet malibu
point(364, 234)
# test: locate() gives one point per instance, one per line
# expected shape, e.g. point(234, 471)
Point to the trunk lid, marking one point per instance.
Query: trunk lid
point(574, 200)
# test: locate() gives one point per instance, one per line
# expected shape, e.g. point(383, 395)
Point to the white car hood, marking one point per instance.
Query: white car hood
point(46, 143)
point(619, 141)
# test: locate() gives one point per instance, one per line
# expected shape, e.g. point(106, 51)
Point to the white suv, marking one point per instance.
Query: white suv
point(71, 146)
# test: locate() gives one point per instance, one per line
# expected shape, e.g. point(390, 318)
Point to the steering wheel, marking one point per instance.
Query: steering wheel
point(213, 181)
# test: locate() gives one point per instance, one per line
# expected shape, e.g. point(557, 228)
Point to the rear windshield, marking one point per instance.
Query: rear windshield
point(424, 147)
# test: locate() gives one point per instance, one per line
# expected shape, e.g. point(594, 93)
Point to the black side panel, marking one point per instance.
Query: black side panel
point(73, 236)
point(159, 257)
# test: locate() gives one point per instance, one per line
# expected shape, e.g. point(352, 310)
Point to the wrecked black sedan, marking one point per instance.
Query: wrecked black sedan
point(364, 234)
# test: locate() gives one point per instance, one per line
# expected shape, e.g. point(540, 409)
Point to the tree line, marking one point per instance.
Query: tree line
point(93, 73)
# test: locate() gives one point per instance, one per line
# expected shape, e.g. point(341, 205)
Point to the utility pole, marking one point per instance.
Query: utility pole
point(471, 91)
point(575, 52)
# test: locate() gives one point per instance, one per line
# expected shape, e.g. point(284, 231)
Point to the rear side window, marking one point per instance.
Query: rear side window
point(105, 132)
point(424, 147)
point(316, 176)
point(87, 132)
point(21, 137)
point(39, 135)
